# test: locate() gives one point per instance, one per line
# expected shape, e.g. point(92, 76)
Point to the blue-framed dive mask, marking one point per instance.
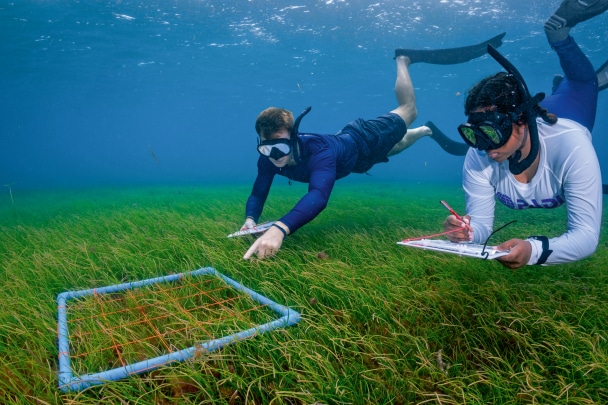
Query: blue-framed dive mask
point(486, 130)
point(275, 148)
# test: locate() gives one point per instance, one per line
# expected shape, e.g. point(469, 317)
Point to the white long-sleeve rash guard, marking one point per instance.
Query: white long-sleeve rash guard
point(568, 173)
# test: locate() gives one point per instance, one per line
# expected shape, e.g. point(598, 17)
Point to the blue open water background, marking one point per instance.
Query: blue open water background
point(113, 93)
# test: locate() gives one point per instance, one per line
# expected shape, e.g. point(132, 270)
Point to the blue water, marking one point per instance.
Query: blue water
point(97, 93)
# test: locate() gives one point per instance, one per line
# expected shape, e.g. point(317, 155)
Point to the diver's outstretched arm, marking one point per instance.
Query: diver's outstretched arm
point(448, 145)
point(450, 56)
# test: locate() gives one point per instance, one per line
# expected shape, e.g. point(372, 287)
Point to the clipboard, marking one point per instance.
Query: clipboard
point(252, 231)
point(460, 249)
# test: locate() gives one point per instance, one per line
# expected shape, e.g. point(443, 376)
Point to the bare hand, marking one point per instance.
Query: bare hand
point(462, 229)
point(519, 255)
point(249, 223)
point(268, 244)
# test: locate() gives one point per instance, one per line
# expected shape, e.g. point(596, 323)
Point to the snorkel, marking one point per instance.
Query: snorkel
point(529, 107)
point(293, 136)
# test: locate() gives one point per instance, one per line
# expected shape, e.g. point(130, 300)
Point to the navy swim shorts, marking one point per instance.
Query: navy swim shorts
point(375, 138)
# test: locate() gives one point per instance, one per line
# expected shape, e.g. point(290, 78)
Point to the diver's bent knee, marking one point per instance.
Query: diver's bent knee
point(408, 114)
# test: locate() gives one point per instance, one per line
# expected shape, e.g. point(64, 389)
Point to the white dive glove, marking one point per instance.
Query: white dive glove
point(249, 223)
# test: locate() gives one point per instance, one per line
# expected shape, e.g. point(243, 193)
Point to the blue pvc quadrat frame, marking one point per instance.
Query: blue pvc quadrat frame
point(69, 382)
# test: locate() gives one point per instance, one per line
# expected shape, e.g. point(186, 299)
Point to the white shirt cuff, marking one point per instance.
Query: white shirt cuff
point(537, 250)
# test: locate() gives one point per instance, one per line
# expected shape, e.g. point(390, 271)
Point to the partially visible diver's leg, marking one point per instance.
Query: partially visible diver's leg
point(574, 96)
point(574, 62)
point(404, 91)
point(410, 138)
point(406, 98)
point(602, 78)
point(450, 56)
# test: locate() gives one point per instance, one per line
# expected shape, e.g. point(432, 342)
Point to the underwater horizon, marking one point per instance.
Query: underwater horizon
point(122, 93)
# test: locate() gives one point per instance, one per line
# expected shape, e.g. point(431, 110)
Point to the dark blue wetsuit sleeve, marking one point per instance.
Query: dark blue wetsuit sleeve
point(322, 169)
point(576, 96)
point(261, 188)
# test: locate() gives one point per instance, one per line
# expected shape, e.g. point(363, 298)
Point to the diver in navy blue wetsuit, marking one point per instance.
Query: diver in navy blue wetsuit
point(320, 160)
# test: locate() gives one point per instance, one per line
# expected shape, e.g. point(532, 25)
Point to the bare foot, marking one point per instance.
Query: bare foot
point(419, 132)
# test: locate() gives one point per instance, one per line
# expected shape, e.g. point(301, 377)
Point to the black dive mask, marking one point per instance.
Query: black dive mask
point(486, 130)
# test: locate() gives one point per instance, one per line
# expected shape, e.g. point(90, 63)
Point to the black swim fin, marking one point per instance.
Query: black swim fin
point(450, 56)
point(448, 145)
point(602, 77)
point(605, 188)
point(557, 80)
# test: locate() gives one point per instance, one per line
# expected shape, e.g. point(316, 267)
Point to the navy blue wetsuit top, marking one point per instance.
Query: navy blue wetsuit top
point(323, 160)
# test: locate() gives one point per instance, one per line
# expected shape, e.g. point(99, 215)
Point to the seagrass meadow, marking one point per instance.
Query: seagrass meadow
point(381, 323)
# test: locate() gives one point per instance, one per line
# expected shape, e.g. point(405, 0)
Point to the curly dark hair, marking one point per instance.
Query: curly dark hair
point(502, 93)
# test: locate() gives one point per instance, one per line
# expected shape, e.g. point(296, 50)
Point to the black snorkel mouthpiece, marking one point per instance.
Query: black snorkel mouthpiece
point(531, 109)
point(293, 136)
